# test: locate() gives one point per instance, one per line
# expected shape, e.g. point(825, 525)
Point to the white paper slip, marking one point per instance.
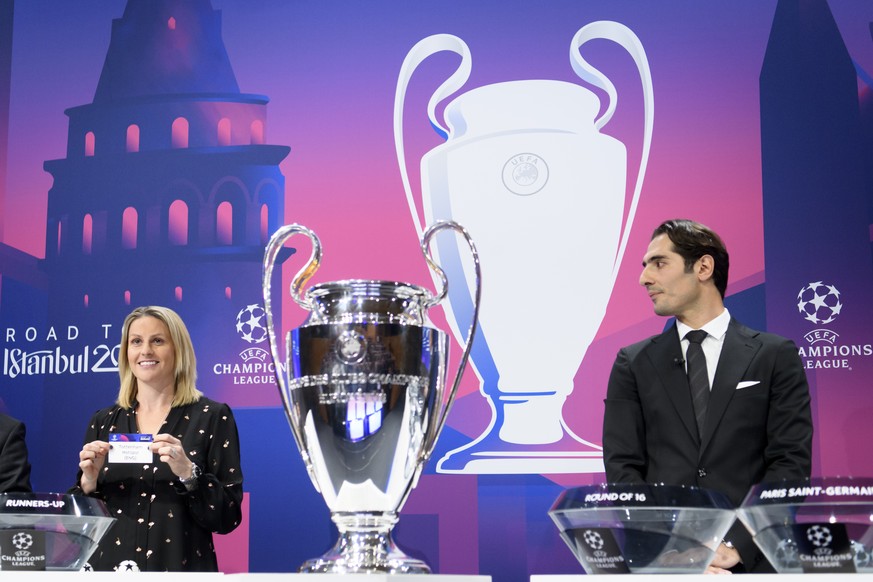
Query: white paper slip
point(130, 448)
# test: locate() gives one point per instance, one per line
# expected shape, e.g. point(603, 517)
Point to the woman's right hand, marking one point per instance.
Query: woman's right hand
point(91, 459)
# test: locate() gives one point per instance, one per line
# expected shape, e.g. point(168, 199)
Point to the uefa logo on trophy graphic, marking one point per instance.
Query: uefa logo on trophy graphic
point(526, 169)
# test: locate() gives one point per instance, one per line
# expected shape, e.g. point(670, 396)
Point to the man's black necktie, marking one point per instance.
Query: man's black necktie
point(698, 378)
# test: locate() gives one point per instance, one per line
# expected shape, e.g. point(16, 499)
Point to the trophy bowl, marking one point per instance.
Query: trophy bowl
point(363, 384)
point(50, 531)
point(819, 525)
point(642, 529)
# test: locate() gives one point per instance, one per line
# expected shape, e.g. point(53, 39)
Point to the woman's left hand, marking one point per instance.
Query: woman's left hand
point(173, 454)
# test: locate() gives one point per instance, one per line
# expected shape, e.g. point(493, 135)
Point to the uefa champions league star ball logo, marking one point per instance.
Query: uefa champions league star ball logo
point(786, 554)
point(819, 535)
point(22, 541)
point(861, 555)
point(251, 324)
point(593, 539)
point(127, 566)
point(255, 365)
point(819, 303)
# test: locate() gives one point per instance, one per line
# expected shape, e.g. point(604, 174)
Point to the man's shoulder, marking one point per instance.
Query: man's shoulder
point(8, 423)
point(635, 349)
point(766, 338)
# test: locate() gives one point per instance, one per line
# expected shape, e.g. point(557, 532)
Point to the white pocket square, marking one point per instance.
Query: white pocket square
point(747, 383)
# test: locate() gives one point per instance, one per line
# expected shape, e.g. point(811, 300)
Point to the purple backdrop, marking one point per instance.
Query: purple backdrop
point(761, 131)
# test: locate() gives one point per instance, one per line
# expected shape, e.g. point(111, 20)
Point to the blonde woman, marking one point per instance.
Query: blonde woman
point(168, 506)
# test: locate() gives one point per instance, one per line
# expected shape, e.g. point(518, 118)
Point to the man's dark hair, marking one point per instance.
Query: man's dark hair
point(693, 240)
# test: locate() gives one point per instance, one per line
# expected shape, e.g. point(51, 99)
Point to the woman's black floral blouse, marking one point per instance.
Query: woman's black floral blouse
point(160, 525)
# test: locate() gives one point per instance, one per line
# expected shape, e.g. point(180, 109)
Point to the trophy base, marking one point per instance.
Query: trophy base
point(489, 455)
point(364, 551)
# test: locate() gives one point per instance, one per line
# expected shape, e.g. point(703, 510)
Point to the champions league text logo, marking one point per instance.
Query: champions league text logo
point(821, 304)
point(256, 364)
point(22, 550)
point(826, 552)
point(600, 552)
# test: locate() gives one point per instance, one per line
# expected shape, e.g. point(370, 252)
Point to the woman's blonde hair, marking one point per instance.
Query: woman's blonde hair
point(186, 363)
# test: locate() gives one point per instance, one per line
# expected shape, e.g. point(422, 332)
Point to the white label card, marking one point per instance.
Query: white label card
point(130, 448)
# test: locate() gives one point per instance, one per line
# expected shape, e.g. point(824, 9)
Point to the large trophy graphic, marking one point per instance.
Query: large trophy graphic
point(525, 167)
point(363, 383)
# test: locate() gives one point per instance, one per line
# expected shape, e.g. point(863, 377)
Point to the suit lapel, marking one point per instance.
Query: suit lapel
point(739, 348)
point(665, 355)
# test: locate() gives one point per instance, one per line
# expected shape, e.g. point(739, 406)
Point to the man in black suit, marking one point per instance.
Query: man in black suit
point(755, 424)
point(14, 466)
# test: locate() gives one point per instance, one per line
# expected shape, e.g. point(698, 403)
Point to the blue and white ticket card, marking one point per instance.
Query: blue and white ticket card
point(130, 448)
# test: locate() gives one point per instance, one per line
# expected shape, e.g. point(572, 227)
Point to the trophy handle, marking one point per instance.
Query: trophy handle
point(274, 246)
point(622, 35)
point(277, 241)
point(446, 404)
point(423, 49)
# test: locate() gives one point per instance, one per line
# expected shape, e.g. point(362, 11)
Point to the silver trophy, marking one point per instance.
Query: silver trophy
point(363, 383)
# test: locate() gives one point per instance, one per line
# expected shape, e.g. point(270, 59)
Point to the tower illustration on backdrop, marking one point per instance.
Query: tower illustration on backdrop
point(167, 195)
point(167, 168)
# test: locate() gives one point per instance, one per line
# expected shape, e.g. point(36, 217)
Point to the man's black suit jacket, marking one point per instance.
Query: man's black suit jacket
point(14, 466)
point(758, 424)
